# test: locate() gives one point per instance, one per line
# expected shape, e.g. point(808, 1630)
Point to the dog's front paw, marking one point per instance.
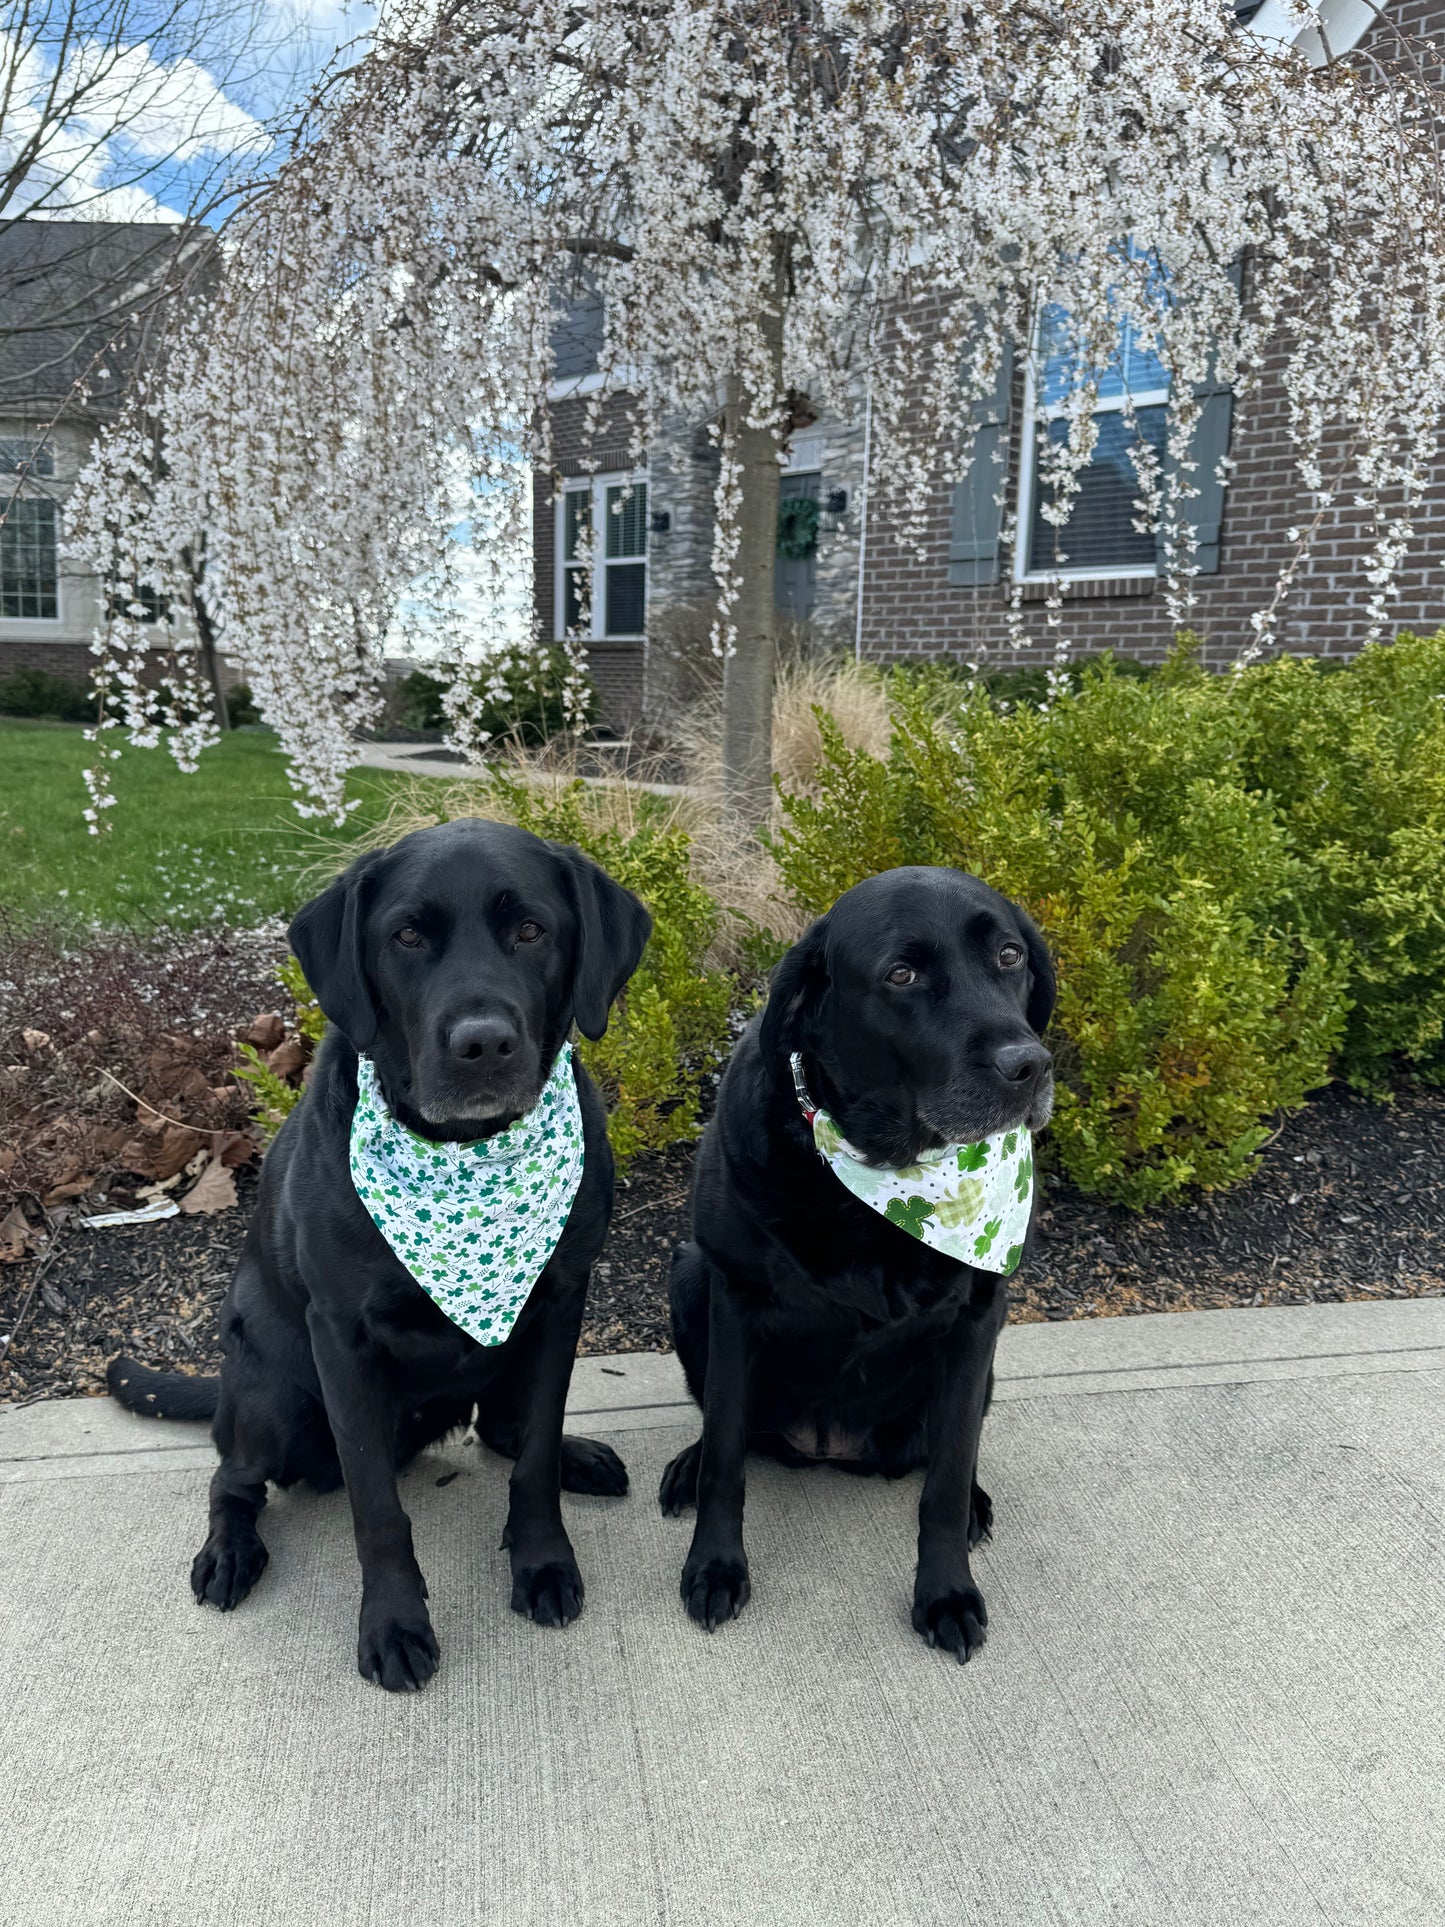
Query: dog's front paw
point(589, 1465)
point(549, 1594)
point(397, 1648)
point(227, 1566)
point(715, 1589)
point(953, 1617)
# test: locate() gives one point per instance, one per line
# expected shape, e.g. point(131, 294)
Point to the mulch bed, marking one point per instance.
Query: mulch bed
point(1349, 1203)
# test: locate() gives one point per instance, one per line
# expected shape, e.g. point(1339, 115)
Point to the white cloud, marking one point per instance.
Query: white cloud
point(114, 138)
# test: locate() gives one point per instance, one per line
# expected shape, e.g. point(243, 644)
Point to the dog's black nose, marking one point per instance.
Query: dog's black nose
point(476, 1039)
point(1022, 1063)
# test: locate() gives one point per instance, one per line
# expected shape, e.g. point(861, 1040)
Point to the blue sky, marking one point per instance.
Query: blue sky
point(169, 102)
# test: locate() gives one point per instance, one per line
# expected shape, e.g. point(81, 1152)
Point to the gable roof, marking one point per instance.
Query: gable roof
point(78, 298)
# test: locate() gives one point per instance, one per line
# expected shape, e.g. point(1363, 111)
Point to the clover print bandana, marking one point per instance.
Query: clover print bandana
point(969, 1201)
point(474, 1224)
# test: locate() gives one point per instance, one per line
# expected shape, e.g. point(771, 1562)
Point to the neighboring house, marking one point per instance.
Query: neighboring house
point(867, 590)
point(75, 302)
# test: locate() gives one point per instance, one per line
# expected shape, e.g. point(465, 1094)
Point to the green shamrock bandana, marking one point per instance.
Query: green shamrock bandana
point(474, 1224)
point(969, 1201)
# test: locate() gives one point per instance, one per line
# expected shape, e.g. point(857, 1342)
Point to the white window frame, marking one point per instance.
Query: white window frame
point(57, 621)
point(597, 486)
point(1028, 462)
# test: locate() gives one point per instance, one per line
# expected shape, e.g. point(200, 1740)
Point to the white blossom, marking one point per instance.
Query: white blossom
point(903, 184)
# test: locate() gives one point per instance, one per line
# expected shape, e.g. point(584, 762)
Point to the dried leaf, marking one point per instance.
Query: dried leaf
point(160, 1150)
point(214, 1190)
point(233, 1147)
point(288, 1059)
point(72, 1188)
point(265, 1031)
point(35, 1039)
point(16, 1236)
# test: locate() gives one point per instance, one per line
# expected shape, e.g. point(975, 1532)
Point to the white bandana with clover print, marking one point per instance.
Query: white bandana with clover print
point(474, 1224)
point(969, 1201)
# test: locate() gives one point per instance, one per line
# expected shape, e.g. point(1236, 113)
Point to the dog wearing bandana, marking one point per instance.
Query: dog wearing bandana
point(863, 1193)
point(428, 1216)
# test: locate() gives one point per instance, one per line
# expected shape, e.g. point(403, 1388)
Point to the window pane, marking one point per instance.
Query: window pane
point(28, 577)
point(626, 599)
point(31, 457)
point(576, 524)
point(627, 521)
point(1100, 532)
point(576, 610)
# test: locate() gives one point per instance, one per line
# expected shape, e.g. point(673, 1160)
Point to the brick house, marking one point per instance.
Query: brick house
point(861, 587)
point(74, 296)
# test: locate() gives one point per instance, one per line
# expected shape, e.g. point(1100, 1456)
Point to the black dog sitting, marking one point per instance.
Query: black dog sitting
point(456, 961)
point(809, 1325)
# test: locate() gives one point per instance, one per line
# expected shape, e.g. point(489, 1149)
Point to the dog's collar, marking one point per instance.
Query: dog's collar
point(971, 1202)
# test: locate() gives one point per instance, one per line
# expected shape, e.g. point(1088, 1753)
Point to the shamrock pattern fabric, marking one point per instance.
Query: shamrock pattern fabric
point(969, 1201)
point(474, 1224)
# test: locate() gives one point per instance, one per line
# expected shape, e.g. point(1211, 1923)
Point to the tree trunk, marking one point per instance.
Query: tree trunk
point(748, 672)
point(206, 642)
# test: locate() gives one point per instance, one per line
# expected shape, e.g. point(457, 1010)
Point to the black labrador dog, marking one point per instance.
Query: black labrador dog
point(457, 961)
point(809, 1326)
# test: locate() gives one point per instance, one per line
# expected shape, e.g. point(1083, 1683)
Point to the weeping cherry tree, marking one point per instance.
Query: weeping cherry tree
point(769, 197)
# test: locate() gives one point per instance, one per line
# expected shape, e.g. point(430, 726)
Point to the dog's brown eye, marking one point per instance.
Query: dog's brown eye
point(409, 937)
point(529, 932)
point(901, 975)
point(1010, 957)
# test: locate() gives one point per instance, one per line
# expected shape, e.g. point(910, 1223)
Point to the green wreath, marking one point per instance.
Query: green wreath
point(797, 527)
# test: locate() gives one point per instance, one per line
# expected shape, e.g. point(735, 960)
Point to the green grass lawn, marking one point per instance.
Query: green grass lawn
point(222, 846)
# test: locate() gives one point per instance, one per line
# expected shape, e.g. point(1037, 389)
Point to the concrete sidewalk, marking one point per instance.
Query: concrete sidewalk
point(1212, 1690)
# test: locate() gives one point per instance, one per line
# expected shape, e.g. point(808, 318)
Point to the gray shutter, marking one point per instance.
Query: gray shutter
point(1208, 446)
point(973, 547)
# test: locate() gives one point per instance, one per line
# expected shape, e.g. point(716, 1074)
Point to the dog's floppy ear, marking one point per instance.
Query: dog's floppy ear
point(612, 932)
point(326, 935)
point(797, 983)
point(1040, 1006)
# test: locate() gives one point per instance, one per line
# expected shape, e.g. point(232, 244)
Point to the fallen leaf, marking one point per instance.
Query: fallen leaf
point(287, 1059)
point(233, 1147)
point(35, 1039)
point(160, 1150)
point(16, 1236)
point(7, 1160)
point(73, 1188)
point(264, 1032)
point(213, 1190)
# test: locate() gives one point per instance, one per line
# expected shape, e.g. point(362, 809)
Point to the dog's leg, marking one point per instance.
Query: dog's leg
point(250, 1436)
point(546, 1584)
point(948, 1609)
point(234, 1555)
point(396, 1646)
point(715, 1583)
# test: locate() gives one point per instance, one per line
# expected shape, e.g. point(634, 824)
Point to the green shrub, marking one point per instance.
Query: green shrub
point(275, 1099)
point(1027, 683)
point(1193, 1000)
point(35, 692)
point(529, 708)
point(1353, 761)
point(241, 706)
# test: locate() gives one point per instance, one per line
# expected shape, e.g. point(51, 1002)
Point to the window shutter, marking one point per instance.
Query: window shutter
point(973, 557)
point(1208, 447)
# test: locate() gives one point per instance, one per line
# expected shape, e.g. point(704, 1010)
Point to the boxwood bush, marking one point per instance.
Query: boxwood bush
point(1242, 878)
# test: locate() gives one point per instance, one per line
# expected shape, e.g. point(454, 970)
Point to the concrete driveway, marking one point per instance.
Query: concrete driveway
point(1214, 1689)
